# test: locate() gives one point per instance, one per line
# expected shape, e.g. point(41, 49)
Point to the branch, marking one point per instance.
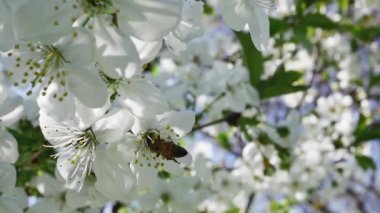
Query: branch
point(249, 203)
point(231, 118)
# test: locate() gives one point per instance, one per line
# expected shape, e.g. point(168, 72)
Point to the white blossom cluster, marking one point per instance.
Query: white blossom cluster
point(150, 106)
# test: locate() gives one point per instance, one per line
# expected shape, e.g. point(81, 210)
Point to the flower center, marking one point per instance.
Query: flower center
point(77, 147)
point(36, 64)
point(96, 7)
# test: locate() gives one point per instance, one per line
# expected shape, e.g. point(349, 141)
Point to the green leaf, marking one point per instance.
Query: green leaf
point(223, 139)
point(374, 81)
point(364, 131)
point(277, 26)
point(163, 174)
point(253, 58)
point(365, 162)
point(285, 157)
point(282, 82)
point(318, 20)
point(245, 124)
point(207, 9)
point(363, 33)
point(232, 210)
point(34, 157)
point(269, 169)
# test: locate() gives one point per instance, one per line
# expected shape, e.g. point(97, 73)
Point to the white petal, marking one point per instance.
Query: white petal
point(44, 205)
point(7, 177)
point(11, 110)
point(122, 152)
point(88, 196)
point(47, 123)
point(147, 50)
point(143, 98)
point(186, 160)
point(116, 53)
point(14, 201)
point(77, 47)
point(146, 176)
point(113, 125)
point(65, 169)
point(39, 20)
point(19, 195)
point(7, 38)
point(259, 28)
point(143, 124)
point(148, 20)
point(86, 85)
point(47, 185)
point(9, 205)
point(173, 168)
point(232, 19)
point(251, 95)
point(52, 107)
point(8, 148)
point(174, 44)
point(182, 122)
point(190, 25)
point(85, 116)
point(112, 180)
point(234, 101)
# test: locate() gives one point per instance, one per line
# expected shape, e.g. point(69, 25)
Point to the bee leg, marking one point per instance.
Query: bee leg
point(175, 160)
point(158, 155)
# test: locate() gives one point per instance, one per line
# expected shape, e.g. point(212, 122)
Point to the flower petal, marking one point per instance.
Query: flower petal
point(141, 18)
point(85, 116)
point(86, 85)
point(7, 38)
point(32, 23)
point(146, 176)
point(143, 98)
point(11, 110)
point(259, 28)
point(116, 53)
point(230, 16)
point(47, 185)
point(77, 47)
point(113, 125)
point(147, 50)
point(8, 148)
point(7, 177)
point(112, 180)
point(52, 107)
point(181, 122)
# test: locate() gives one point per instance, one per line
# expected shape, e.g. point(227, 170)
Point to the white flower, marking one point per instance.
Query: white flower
point(168, 128)
point(8, 147)
point(77, 140)
point(238, 13)
point(53, 192)
point(66, 62)
point(11, 110)
point(12, 199)
point(168, 195)
point(113, 23)
point(235, 83)
point(189, 27)
point(116, 54)
point(287, 133)
point(7, 37)
point(114, 178)
point(142, 97)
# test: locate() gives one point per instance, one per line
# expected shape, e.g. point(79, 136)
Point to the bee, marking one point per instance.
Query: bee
point(164, 147)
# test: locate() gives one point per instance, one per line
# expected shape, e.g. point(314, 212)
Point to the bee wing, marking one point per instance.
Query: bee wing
point(185, 161)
